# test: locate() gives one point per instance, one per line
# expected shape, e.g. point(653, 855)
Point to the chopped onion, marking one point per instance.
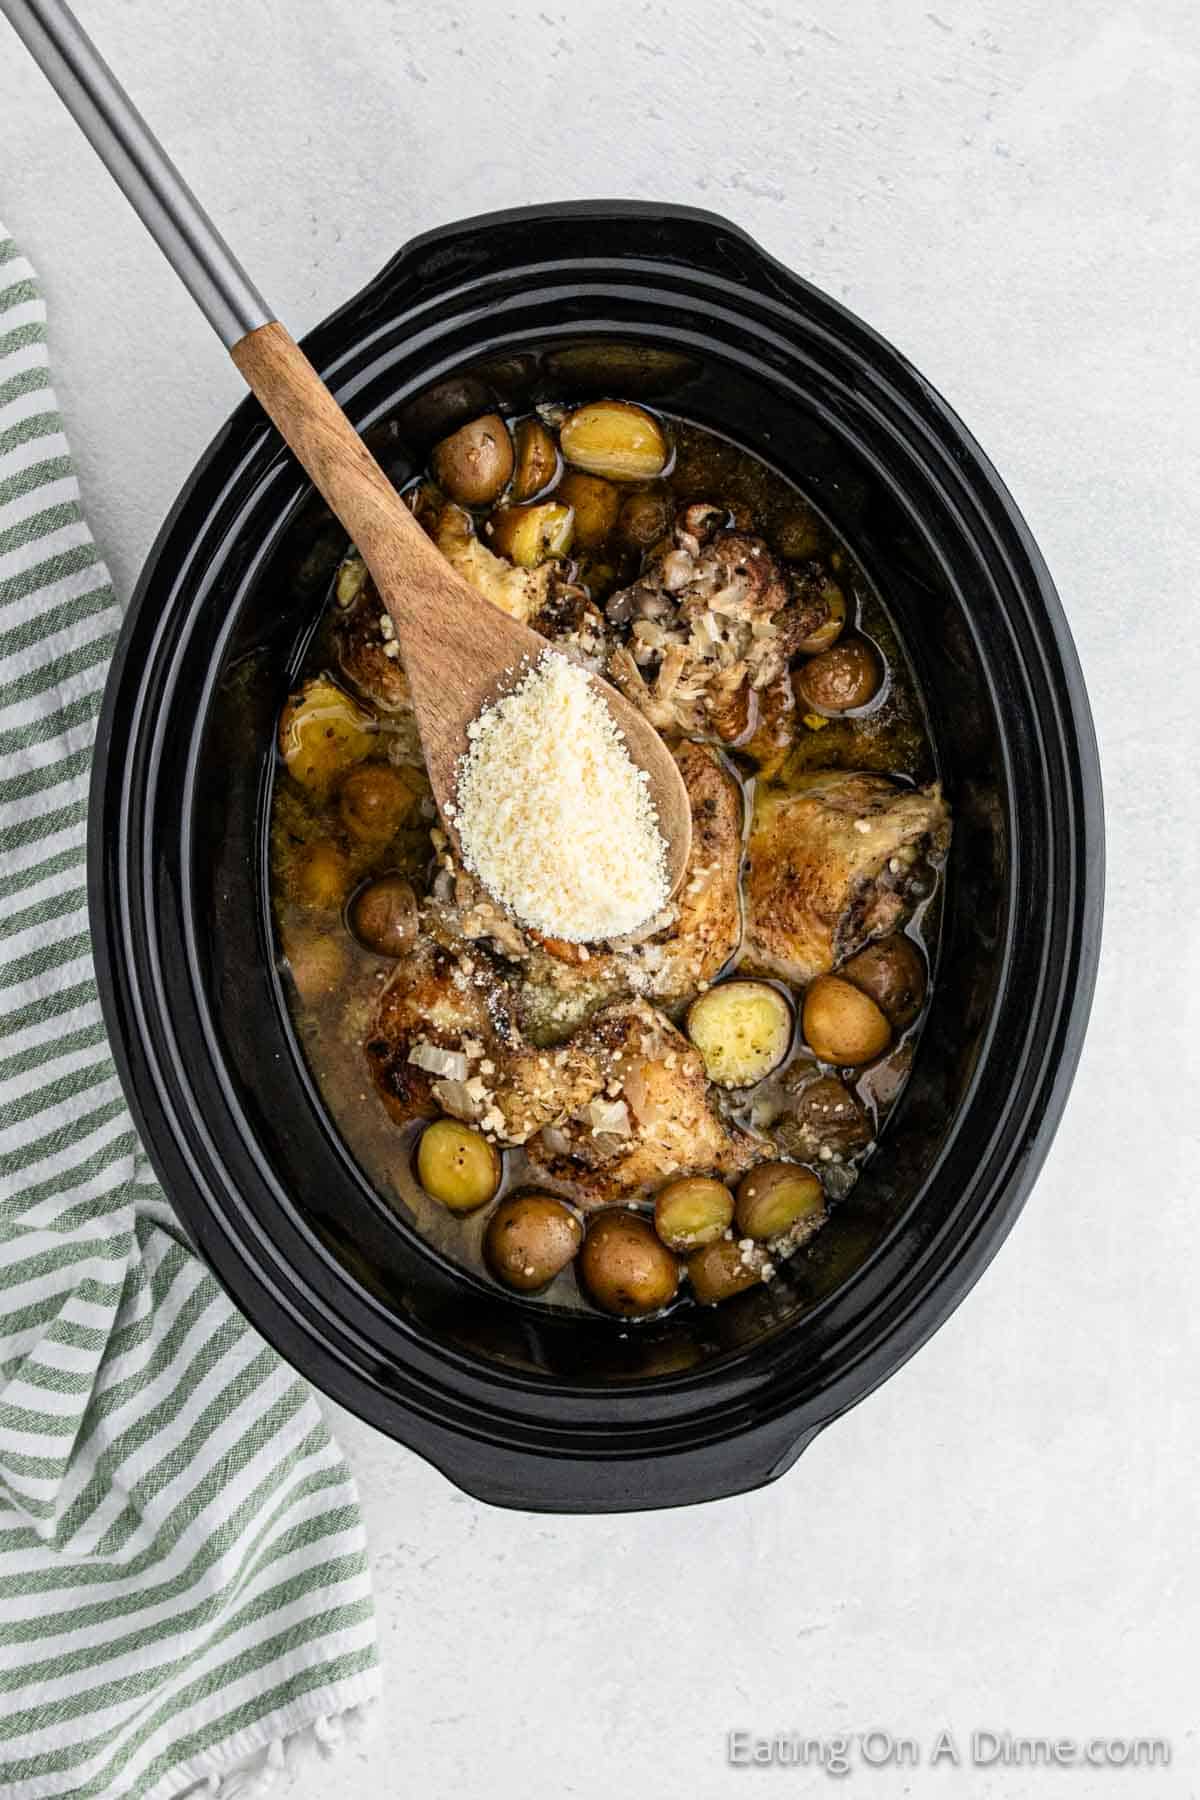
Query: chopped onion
point(451, 1063)
point(453, 1097)
point(608, 1116)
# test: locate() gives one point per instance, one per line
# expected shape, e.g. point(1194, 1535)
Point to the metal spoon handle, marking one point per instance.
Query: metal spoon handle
point(141, 167)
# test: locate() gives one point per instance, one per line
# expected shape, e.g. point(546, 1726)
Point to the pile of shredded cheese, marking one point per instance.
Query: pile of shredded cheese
point(553, 815)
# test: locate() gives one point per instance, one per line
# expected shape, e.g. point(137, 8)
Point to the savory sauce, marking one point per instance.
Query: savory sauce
point(721, 602)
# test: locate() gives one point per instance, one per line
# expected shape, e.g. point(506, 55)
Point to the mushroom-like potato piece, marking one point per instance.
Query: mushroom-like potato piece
point(842, 1024)
point(839, 680)
point(742, 1029)
point(375, 800)
point(457, 1166)
point(644, 519)
point(322, 877)
point(892, 972)
point(596, 504)
point(528, 535)
point(383, 916)
point(779, 1199)
point(692, 1211)
point(322, 733)
point(615, 439)
point(474, 463)
point(821, 613)
point(537, 461)
point(725, 1268)
point(530, 1239)
point(824, 1119)
point(624, 1267)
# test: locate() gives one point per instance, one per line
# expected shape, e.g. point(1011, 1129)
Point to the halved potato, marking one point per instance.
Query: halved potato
point(322, 733)
point(692, 1211)
point(527, 535)
point(615, 439)
point(779, 1198)
point(742, 1029)
point(457, 1165)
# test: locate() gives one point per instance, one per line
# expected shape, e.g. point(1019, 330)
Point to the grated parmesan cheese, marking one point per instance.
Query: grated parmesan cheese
point(554, 817)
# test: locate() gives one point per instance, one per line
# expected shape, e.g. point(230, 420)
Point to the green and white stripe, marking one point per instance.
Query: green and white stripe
point(183, 1581)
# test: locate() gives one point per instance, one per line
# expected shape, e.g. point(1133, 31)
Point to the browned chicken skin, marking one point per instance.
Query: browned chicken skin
point(830, 861)
point(657, 1080)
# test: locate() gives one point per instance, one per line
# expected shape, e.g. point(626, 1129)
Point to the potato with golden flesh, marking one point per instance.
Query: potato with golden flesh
point(457, 1166)
point(537, 461)
point(725, 1268)
point(322, 733)
point(615, 439)
point(742, 1029)
point(892, 972)
point(321, 877)
point(839, 680)
point(376, 800)
point(843, 1025)
point(530, 1239)
point(383, 916)
point(596, 505)
point(691, 1212)
point(529, 535)
point(624, 1267)
point(777, 1199)
point(474, 463)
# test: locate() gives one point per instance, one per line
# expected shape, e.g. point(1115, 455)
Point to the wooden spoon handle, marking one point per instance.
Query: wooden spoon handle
point(394, 547)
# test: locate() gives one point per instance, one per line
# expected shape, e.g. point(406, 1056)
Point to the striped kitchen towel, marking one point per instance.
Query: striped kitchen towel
point(183, 1582)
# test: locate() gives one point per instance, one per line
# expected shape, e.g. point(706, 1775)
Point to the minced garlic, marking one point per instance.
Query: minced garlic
point(554, 816)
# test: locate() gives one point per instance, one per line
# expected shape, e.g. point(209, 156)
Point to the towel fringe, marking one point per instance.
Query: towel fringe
point(324, 1736)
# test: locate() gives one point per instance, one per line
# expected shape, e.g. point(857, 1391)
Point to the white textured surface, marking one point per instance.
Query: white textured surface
point(1004, 1536)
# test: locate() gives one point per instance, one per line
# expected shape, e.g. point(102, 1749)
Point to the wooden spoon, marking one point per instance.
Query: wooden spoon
point(459, 651)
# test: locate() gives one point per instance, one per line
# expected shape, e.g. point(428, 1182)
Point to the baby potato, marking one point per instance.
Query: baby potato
point(842, 1024)
point(824, 1116)
point(892, 972)
point(624, 1267)
point(537, 461)
point(530, 1238)
point(742, 1029)
point(383, 916)
point(692, 1211)
point(644, 519)
point(615, 439)
point(778, 1198)
point(322, 733)
point(474, 463)
point(725, 1268)
point(596, 504)
point(457, 1166)
point(316, 962)
point(375, 800)
point(322, 877)
point(839, 680)
point(527, 535)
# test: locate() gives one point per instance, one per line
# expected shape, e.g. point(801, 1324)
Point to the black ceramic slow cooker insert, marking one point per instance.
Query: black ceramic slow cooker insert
point(518, 1402)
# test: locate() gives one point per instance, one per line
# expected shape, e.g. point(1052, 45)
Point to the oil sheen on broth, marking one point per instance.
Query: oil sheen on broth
point(667, 1119)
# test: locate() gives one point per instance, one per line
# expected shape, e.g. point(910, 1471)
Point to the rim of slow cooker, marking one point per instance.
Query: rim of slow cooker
point(879, 1333)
